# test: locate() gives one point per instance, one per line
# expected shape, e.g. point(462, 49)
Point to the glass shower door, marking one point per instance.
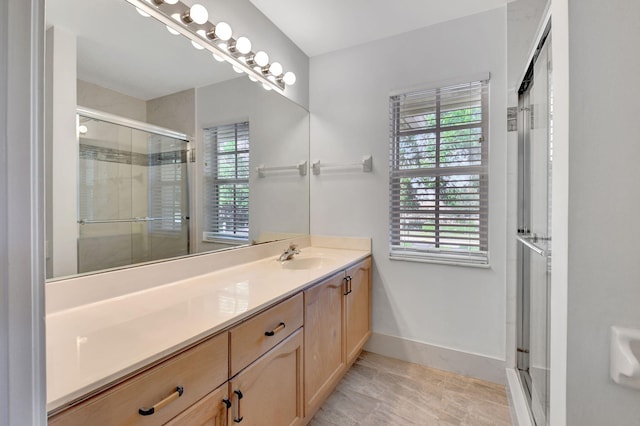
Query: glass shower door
point(534, 234)
point(132, 196)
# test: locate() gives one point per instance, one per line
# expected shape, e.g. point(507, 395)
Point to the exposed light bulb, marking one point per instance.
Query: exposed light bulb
point(243, 45)
point(252, 78)
point(261, 58)
point(238, 70)
point(168, 1)
point(265, 86)
point(197, 13)
point(275, 69)
point(82, 129)
point(218, 58)
point(223, 46)
point(289, 78)
point(223, 31)
point(142, 13)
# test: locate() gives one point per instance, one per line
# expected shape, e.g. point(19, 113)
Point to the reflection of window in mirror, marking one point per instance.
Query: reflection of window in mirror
point(226, 182)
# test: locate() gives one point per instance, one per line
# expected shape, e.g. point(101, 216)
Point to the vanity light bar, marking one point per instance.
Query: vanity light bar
point(270, 75)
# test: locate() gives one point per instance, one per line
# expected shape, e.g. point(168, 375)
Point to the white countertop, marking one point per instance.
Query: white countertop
point(92, 345)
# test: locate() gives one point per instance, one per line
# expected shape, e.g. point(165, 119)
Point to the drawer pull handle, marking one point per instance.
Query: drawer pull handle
point(238, 417)
point(175, 395)
point(275, 330)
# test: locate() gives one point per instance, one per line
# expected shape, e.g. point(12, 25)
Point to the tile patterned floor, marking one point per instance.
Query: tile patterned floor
point(384, 391)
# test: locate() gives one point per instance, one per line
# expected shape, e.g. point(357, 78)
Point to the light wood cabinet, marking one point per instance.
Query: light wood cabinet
point(257, 335)
point(197, 371)
point(323, 340)
point(212, 410)
point(358, 309)
point(275, 368)
point(337, 324)
point(269, 391)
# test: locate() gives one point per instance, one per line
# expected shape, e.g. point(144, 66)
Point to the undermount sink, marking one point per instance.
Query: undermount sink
point(305, 263)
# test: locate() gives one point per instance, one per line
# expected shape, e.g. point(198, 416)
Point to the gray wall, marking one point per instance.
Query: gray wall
point(604, 200)
point(106, 100)
point(279, 136)
point(459, 308)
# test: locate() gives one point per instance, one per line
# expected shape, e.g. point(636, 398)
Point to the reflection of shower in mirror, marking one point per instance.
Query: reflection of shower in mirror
point(132, 193)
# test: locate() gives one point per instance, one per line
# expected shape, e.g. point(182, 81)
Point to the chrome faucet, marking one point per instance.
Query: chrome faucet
point(289, 253)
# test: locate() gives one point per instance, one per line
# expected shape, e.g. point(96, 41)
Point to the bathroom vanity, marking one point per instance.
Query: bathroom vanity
point(260, 342)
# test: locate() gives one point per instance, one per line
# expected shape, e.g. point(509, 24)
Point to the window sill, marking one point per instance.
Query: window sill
point(226, 241)
point(440, 261)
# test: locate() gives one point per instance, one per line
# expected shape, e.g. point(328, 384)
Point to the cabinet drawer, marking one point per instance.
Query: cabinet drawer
point(254, 337)
point(198, 371)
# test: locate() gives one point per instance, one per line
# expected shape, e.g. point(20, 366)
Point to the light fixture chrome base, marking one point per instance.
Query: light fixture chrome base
point(164, 13)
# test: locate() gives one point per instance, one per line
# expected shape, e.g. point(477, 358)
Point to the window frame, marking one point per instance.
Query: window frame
point(406, 246)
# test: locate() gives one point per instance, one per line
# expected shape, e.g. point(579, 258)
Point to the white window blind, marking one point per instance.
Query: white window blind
point(439, 152)
point(165, 197)
point(226, 185)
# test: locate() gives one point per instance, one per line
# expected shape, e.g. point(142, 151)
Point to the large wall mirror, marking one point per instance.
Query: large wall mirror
point(153, 147)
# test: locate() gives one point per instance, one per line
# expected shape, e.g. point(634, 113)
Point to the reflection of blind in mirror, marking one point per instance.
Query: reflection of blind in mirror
point(167, 183)
point(226, 182)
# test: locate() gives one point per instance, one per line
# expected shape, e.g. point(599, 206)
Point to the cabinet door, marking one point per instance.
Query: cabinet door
point(324, 354)
point(358, 308)
point(269, 391)
point(209, 411)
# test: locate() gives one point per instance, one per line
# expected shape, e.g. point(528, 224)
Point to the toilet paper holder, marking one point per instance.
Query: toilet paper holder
point(625, 364)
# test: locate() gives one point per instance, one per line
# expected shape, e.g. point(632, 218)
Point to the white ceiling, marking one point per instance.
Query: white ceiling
point(321, 26)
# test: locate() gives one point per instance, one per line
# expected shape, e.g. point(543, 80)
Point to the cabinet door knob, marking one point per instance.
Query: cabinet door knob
point(347, 284)
point(175, 395)
point(275, 330)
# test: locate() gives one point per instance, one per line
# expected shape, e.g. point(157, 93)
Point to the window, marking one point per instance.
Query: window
point(226, 174)
point(439, 153)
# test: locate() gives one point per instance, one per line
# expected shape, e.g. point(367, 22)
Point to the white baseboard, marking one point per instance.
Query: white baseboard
point(520, 413)
point(465, 363)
